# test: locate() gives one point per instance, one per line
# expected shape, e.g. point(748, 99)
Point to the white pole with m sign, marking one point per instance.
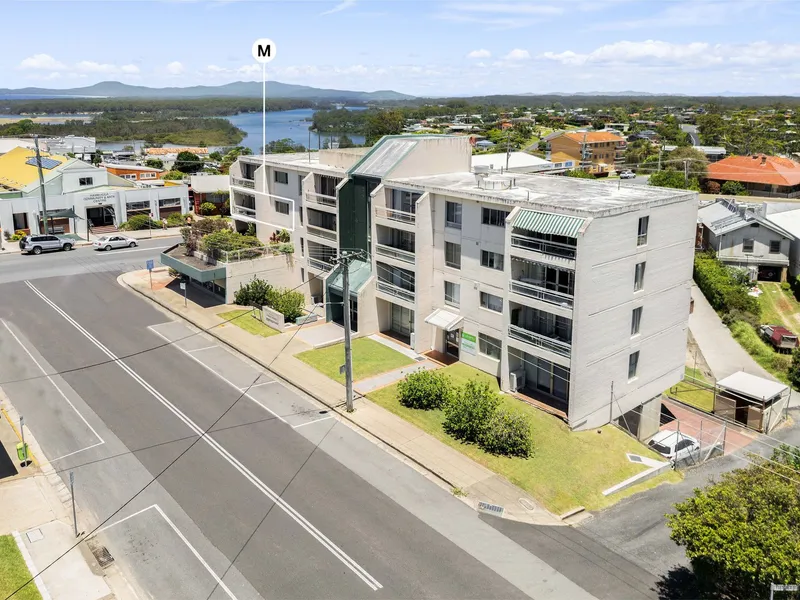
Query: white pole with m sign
point(264, 52)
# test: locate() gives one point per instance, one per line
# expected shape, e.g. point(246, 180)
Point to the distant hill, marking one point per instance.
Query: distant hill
point(238, 89)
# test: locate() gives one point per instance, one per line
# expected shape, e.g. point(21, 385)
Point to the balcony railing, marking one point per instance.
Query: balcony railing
point(541, 293)
point(537, 339)
point(319, 264)
point(453, 224)
point(395, 215)
point(238, 209)
point(322, 199)
point(242, 182)
point(397, 253)
point(394, 290)
point(321, 232)
point(536, 245)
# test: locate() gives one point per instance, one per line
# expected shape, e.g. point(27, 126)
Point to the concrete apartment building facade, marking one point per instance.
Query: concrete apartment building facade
point(598, 152)
point(571, 292)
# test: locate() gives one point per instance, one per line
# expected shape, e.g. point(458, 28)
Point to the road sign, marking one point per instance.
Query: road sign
point(785, 587)
point(342, 369)
point(183, 285)
point(150, 264)
point(492, 509)
point(263, 50)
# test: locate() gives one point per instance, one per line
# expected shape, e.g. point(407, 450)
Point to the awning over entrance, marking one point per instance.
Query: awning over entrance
point(66, 213)
point(549, 223)
point(444, 319)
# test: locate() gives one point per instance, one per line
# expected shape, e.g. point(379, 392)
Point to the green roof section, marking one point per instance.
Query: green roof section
point(549, 223)
point(360, 271)
point(384, 156)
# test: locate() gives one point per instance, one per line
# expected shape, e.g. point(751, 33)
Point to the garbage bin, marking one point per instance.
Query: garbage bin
point(22, 452)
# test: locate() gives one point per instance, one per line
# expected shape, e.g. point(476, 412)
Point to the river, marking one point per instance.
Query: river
point(292, 124)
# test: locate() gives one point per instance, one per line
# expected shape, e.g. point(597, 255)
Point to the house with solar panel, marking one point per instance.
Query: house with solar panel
point(79, 195)
point(573, 293)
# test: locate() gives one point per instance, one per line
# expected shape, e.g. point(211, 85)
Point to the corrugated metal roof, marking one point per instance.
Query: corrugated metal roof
point(16, 172)
point(555, 224)
point(383, 157)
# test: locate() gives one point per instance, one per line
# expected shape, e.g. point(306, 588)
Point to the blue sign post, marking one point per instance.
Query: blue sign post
point(150, 264)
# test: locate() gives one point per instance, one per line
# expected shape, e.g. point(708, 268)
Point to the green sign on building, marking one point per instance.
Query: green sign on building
point(468, 343)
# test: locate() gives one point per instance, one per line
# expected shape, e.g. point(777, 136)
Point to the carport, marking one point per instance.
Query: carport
point(753, 401)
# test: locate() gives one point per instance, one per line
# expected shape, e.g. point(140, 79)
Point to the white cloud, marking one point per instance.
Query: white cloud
point(88, 66)
point(175, 68)
point(340, 7)
point(517, 54)
point(41, 62)
point(130, 69)
point(479, 54)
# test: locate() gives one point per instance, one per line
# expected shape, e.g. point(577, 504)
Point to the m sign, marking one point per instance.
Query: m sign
point(263, 50)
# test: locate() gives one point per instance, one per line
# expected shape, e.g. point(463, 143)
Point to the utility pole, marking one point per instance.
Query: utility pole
point(344, 260)
point(41, 183)
point(660, 150)
point(686, 171)
point(508, 147)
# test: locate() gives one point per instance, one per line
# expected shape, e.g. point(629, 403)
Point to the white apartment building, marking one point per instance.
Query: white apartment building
point(573, 293)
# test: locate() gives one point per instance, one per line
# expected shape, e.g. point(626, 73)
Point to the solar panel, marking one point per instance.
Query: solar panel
point(47, 163)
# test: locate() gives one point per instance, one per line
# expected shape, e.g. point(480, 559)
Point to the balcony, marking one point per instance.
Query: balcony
point(396, 291)
point(322, 199)
point(327, 234)
point(237, 210)
point(537, 245)
point(242, 182)
point(540, 293)
point(397, 253)
point(395, 215)
point(320, 265)
point(537, 339)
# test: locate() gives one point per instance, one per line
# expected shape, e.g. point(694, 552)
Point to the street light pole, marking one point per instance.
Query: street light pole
point(41, 183)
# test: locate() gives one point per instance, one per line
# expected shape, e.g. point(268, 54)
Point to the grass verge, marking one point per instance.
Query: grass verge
point(778, 306)
point(692, 392)
point(568, 469)
point(764, 355)
point(14, 572)
point(249, 323)
point(369, 358)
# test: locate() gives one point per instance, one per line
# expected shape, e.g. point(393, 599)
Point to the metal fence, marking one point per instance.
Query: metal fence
point(229, 256)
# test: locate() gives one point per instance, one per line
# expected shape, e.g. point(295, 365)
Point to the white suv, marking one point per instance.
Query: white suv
point(36, 244)
point(674, 445)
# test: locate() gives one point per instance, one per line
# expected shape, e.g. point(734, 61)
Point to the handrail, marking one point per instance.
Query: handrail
point(537, 245)
point(397, 253)
point(243, 182)
point(541, 293)
point(321, 232)
point(322, 199)
point(537, 339)
point(390, 288)
point(395, 215)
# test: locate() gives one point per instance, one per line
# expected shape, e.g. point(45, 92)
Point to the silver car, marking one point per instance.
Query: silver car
point(36, 244)
point(107, 242)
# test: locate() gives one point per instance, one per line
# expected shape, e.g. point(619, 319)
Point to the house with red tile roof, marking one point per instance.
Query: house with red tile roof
point(762, 175)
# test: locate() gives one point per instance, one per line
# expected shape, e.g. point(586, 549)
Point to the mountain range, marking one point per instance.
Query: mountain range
point(237, 89)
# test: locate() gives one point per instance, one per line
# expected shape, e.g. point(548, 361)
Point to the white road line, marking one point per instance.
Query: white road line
point(311, 422)
point(192, 549)
point(222, 377)
point(114, 253)
point(58, 389)
point(199, 349)
point(340, 554)
point(255, 385)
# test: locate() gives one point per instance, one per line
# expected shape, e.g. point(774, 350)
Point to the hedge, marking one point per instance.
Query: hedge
point(137, 222)
point(424, 390)
point(723, 290)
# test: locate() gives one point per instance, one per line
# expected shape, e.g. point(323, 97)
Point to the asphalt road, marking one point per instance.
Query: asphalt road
point(84, 259)
point(262, 506)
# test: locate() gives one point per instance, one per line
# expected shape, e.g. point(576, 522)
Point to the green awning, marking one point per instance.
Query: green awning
point(66, 213)
point(554, 224)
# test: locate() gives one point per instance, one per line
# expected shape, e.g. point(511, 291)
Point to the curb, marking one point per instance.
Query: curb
point(283, 380)
point(26, 556)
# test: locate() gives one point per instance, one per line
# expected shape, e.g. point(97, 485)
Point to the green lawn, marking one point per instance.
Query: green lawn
point(14, 572)
point(774, 362)
point(691, 393)
point(248, 322)
point(369, 358)
point(569, 469)
point(779, 307)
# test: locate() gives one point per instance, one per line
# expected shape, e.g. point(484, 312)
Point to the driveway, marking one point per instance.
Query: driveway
point(723, 354)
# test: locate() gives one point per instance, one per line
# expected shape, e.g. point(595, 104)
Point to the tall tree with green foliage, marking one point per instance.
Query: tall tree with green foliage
point(696, 161)
point(187, 162)
point(283, 146)
point(734, 188)
point(742, 532)
point(384, 122)
point(154, 163)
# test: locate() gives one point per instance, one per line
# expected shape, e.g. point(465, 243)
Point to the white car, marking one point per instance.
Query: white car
point(107, 242)
point(627, 175)
point(674, 445)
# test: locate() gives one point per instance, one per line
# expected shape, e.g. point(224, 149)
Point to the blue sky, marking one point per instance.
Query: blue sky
point(423, 48)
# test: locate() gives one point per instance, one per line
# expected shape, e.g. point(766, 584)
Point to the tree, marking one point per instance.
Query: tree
point(598, 125)
point(174, 175)
point(711, 128)
point(345, 142)
point(743, 532)
point(384, 122)
point(734, 188)
point(794, 369)
point(188, 162)
point(283, 146)
point(579, 173)
point(669, 178)
point(154, 163)
point(215, 156)
point(697, 164)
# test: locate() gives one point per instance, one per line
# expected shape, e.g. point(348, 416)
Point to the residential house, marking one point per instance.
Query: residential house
point(79, 146)
point(599, 152)
point(743, 236)
point(573, 293)
point(133, 172)
point(713, 153)
point(762, 175)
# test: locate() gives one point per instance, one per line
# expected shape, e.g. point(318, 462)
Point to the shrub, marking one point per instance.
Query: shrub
point(20, 233)
point(425, 390)
point(734, 188)
point(786, 286)
point(280, 237)
point(793, 372)
point(225, 209)
point(206, 226)
point(178, 219)
point(251, 229)
point(711, 187)
point(722, 287)
point(287, 302)
point(508, 433)
point(173, 175)
point(737, 315)
point(207, 208)
point(286, 248)
point(579, 173)
point(227, 240)
point(468, 414)
point(763, 353)
point(254, 293)
point(137, 222)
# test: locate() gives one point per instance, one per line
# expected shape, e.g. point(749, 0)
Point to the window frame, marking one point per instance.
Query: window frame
point(487, 305)
point(279, 175)
point(455, 295)
point(752, 243)
point(633, 365)
point(638, 279)
point(491, 260)
point(636, 321)
point(489, 216)
point(449, 263)
point(492, 344)
point(641, 239)
point(84, 181)
point(771, 245)
point(281, 204)
point(457, 214)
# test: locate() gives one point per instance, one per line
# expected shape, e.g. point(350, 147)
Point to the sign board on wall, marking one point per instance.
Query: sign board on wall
point(272, 318)
point(468, 342)
point(100, 198)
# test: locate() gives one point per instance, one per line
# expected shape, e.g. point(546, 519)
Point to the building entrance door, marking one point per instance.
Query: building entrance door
point(402, 322)
point(100, 216)
point(452, 342)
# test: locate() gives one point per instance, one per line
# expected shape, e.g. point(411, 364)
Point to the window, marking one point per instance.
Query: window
point(489, 346)
point(638, 278)
point(169, 202)
point(281, 177)
point(128, 176)
point(636, 320)
point(491, 302)
point(281, 207)
point(302, 247)
point(643, 223)
point(452, 215)
point(20, 221)
point(775, 247)
point(299, 184)
point(633, 365)
point(452, 255)
point(143, 205)
point(493, 216)
point(493, 260)
point(302, 274)
point(747, 246)
point(89, 180)
point(147, 175)
point(452, 293)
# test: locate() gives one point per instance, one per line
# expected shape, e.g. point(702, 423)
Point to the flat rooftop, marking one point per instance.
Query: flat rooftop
point(335, 160)
point(545, 192)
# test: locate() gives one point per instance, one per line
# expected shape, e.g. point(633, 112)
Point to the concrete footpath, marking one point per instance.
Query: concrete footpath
point(35, 507)
point(441, 463)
